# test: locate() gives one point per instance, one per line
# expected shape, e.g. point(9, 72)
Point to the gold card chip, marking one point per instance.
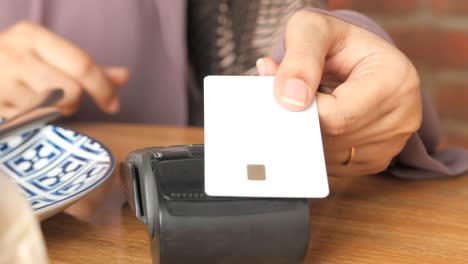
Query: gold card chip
point(256, 172)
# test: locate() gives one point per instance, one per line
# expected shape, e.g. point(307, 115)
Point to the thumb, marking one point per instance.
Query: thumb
point(308, 39)
point(117, 75)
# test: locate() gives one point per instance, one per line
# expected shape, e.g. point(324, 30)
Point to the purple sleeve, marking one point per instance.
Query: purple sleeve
point(420, 158)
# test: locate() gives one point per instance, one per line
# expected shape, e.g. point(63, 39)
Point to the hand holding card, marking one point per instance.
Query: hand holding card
point(256, 148)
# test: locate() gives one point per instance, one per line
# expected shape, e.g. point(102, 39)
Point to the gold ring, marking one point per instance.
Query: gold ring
point(352, 155)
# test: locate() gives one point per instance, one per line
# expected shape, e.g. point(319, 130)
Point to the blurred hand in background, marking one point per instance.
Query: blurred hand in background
point(34, 60)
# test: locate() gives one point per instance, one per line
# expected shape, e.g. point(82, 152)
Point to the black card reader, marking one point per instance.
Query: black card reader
point(165, 189)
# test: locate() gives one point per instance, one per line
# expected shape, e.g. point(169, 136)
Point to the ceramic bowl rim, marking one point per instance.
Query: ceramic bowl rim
point(76, 196)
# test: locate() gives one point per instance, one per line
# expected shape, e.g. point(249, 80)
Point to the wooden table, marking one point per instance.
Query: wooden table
point(375, 219)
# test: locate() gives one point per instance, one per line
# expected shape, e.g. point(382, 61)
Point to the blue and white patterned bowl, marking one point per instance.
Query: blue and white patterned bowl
point(55, 166)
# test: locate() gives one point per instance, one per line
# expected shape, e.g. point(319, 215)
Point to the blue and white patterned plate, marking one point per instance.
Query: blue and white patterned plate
point(55, 166)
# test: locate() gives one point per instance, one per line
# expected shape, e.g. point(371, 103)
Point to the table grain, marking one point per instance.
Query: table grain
point(369, 219)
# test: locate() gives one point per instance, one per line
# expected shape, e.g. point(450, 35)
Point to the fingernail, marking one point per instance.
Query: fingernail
point(296, 92)
point(261, 68)
point(114, 106)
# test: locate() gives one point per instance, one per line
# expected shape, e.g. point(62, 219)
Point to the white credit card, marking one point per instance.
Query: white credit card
point(256, 148)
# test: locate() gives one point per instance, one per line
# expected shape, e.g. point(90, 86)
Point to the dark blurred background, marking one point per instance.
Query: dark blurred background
point(434, 35)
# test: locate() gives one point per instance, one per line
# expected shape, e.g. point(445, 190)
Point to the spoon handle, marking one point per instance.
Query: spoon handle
point(36, 116)
point(28, 121)
point(53, 97)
